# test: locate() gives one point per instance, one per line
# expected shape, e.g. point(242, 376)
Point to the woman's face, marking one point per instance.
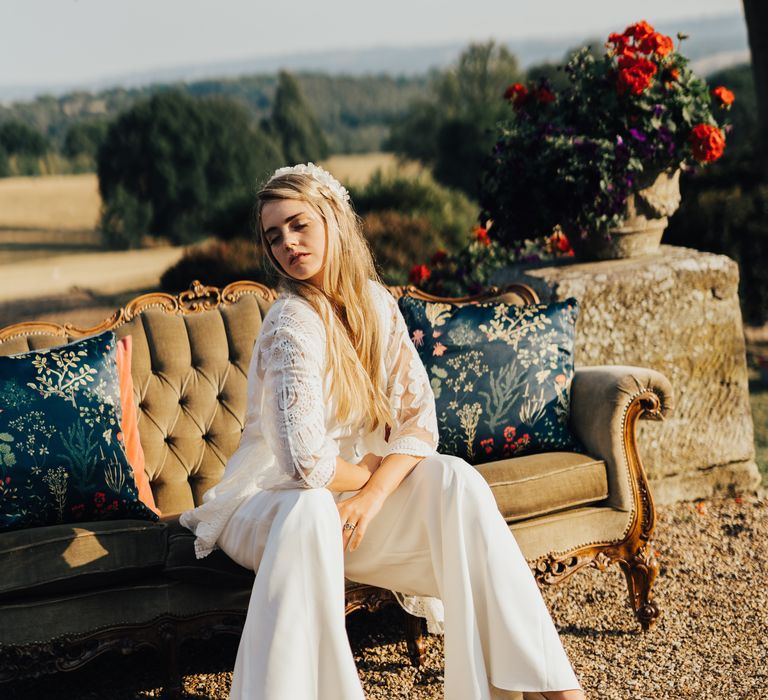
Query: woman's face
point(296, 235)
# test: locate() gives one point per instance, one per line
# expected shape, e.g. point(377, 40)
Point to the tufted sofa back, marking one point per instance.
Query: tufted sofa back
point(190, 362)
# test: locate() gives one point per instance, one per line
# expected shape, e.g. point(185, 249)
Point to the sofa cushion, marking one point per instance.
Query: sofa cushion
point(70, 557)
point(217, 569)
point(62, 458)
point(534, 485)
point(190, 376)
point(130, 423)
point(501, 374)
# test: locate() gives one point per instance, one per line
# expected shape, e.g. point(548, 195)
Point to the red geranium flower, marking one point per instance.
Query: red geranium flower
point(657, 43)
point(640, 31)
point(419, 274)
point(517, 94)
point(723, 94)
point(544, 95)
point(481, 235)
point(635, 75)
point(559, 242)
point(707, 142)
point(620, 45)
point(438, 256)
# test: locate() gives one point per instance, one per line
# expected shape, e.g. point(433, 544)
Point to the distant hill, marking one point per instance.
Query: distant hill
point(354, 111)
point(711, 37)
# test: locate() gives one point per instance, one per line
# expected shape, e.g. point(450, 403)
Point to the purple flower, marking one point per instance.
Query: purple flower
point(658, 110)
point(619, 141)
point(638, 135)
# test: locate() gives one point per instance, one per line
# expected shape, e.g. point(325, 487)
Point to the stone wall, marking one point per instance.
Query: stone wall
point(676, 311)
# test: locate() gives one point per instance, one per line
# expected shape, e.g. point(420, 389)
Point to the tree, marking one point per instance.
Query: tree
point(19, 139)
point(294, 124)
point(756, 14)
point(84, 138)
point(452, 128)
point(188, 159)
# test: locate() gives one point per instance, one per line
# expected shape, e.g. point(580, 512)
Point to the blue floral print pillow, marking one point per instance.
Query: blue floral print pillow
point(62, 458)
point(501, 374)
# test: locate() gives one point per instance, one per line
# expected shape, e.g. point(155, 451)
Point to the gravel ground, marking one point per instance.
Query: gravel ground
point(711, 641)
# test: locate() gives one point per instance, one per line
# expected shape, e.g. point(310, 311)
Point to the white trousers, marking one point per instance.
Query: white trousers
point(439, 534)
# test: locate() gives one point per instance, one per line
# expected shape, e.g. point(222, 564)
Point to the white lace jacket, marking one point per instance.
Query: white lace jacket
point(291, 438)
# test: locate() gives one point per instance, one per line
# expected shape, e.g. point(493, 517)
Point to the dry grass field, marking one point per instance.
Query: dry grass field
point(54, 202)
point(356, 169)
point(45, 216)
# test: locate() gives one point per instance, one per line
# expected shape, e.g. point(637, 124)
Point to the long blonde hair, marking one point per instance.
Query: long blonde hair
point(354, 352)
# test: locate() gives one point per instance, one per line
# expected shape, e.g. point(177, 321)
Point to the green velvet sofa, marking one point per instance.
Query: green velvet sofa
point(69, 593)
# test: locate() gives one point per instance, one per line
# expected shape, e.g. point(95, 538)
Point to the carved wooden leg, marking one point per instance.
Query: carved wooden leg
point(414, 638)
point(641, 571)
point(171, 653)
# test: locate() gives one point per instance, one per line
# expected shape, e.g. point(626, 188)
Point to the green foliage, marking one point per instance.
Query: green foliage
point(450, 213)
point(554, 74)
point(19, 139)
point(294, 125)
point(125, 220)
point(218, 263)
point(5, 166)
point(84, 139)
point(463, 103)
point(188, 158)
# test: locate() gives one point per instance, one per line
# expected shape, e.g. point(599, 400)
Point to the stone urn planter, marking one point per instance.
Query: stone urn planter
point(646, 215)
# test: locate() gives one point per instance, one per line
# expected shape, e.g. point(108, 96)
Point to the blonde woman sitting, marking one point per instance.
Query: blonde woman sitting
point(337, 474)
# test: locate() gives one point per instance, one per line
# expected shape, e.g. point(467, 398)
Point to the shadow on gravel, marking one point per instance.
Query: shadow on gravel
point(595, 633)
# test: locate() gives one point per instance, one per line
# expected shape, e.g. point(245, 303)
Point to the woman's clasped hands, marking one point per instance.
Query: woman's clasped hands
point(357, 511)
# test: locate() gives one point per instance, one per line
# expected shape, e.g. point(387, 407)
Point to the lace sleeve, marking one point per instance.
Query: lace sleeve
point(293, 410)
point(411, 399)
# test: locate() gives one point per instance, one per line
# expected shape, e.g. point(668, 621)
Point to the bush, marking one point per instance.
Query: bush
point(398, 239)
point(19, 139)
point(218, 263)
point(450, 212)
point(125, 220)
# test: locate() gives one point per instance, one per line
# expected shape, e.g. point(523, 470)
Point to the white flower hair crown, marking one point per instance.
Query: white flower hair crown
point(319, 174)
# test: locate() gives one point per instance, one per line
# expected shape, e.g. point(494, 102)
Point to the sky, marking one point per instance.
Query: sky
point(69, 41)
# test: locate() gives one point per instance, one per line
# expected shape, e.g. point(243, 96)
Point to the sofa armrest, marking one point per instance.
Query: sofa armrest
point(606, 403)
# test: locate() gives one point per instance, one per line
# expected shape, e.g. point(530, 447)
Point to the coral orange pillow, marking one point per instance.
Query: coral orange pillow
point(130, 423)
